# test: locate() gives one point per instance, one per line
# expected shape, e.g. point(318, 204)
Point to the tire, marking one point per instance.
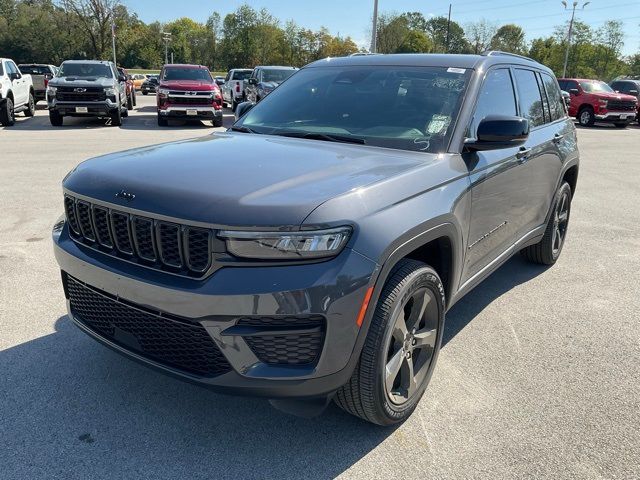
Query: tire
point(55, 118)
point(162, 122)
point(125, 113)
point(31, 107)
point(621, 125)
point(116, 118)
point(133, 96)
point(234, 106)
point(130, 102)
point(7, 115)
point(218, 122)
point(371, 393)
point(586, 117)
point(548, 250)
point(145, 93)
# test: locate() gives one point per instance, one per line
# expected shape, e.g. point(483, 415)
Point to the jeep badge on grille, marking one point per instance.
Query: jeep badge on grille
point(125, 195)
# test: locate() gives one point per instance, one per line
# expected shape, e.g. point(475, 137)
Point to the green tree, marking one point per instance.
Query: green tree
point(509, 38)
point(416, 42)
point(479, 35)
point(437, 30)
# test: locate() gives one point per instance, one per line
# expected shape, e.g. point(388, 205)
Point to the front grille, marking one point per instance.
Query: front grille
point(91, 94)
point(205, 102)
point(173, 342)
point(171, 247)
point(621, 106)
point(285, 340)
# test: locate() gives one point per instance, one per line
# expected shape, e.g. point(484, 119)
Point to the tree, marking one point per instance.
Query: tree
point(436, 28)
point(392, 31)
point(509, 38)
point(479, 34)
point(94, 17)
point(416, 42)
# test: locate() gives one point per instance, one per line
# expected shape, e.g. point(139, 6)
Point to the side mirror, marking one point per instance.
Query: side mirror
point(252, 81)
point(122, 78)
point(567, 98)
point(499, 131)
point(15, 76)
point(243, 109)
point(574, 91)
point(633, 92)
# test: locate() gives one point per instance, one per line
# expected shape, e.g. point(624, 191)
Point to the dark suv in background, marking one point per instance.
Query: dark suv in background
point(320, 262)
point(265, 80)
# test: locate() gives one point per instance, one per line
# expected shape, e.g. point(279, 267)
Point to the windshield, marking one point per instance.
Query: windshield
point(242, 75)
point(277, 76)
point(409, 108)
point(93, 70)
point(178, 73)
point(592, 87)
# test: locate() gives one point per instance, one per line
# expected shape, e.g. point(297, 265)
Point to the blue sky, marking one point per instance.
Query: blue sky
point(352, 17)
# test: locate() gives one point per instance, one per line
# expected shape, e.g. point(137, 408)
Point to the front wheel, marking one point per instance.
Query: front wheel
point(130, 102)
point(621, 124)
point(547, 251)
point(401, 348)
point(162, 122)
point(7, 115)
point(55, 118)
point(144, 93)
point(116, 118)
point(586, 117)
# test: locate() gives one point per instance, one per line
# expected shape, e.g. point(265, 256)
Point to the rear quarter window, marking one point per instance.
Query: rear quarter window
point(531, 106)
point(554, 97)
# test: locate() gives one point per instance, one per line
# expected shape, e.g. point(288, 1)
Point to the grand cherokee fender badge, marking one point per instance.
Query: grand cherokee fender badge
point(125, 195)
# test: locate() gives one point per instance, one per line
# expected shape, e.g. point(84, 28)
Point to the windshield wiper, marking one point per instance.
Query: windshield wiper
point(328, 137)
point(240, 128)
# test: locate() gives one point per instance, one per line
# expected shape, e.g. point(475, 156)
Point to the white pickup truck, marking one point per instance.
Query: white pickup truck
point(233, 88)
point(16, 93)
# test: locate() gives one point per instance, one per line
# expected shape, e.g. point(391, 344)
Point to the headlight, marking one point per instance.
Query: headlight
point(163, 92)
point(286, 245)
point(110, 92)
point(51, 90)
point(603, 103)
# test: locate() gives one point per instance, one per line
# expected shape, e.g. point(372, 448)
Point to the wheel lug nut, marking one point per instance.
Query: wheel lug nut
point(414, 342)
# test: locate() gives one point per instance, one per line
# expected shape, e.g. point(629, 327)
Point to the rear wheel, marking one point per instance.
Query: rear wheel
point(621, 124)
point(55, 118)
point(586, 117)
point(401, 347)
point(31, 107)
point(7, 115)
point(217, 122)
point(234, 106)
point(130, 101)
point(547, 251)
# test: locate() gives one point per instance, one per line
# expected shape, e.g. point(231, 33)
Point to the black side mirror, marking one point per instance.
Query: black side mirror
point(253, 81)
point(574, 91)
point(499, 131)
point(15, 76)
point(122, 78)
point(633, 92)
point(243, 109)
point(567, 98)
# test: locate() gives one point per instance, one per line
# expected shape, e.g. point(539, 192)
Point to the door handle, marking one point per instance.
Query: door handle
point(523, 154)
point(557, 138)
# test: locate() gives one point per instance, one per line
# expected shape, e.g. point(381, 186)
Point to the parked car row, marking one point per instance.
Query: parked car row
point(243, 85)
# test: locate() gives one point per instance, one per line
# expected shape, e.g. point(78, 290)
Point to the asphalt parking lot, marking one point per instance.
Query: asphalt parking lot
point(538, 378)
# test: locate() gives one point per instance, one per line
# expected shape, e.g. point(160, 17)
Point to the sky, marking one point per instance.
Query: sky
point(353, 17)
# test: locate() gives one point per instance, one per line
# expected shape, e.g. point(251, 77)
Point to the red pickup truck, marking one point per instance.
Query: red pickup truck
point(188, 92)
point(594, 101)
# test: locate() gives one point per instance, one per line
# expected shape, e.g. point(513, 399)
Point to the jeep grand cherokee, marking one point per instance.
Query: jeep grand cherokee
point(365, 197)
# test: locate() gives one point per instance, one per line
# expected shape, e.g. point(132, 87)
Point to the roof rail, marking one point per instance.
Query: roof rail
point(491, 53)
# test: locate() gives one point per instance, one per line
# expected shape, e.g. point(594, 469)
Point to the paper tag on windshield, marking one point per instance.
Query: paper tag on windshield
point(456, 70)
point(438, 124)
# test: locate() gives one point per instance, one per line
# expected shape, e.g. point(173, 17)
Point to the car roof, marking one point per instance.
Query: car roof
point(185, 65)
point(276, 67)
point(87, 61)
point(485, 60)
point(583, 79)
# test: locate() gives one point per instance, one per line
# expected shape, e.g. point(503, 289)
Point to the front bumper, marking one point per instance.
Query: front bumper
point(616, 117)
point(180, 112)
point(334, 290)
point(94, 109)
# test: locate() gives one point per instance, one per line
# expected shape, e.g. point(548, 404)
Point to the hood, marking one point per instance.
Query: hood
point(614, 96)
point(237, 179)
point(193, 85)
point(81, 82)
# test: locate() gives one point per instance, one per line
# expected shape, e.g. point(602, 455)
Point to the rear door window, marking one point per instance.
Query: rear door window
point(531, 106)
point(496, 98)
point(554, 97)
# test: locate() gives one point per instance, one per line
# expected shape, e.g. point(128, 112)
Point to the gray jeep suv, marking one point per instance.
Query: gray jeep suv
point(87, 88)
point(310, 253)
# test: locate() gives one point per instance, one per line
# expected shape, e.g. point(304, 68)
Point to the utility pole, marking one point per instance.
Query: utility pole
point(374, 32)
point(573, 14)
point(448, 29)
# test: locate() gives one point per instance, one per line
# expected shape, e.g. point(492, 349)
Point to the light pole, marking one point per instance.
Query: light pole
point(374, 34)
point(573, 14)
point(113, 36)
point(166, 36)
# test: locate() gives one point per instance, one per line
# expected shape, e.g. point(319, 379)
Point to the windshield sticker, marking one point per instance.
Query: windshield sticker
point(456, 70)
point(438, 124)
